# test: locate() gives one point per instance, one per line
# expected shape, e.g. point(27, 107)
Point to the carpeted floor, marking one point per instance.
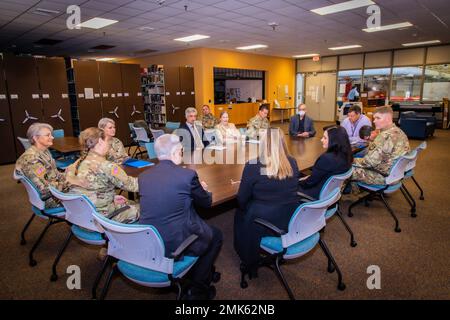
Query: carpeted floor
point(414, 264)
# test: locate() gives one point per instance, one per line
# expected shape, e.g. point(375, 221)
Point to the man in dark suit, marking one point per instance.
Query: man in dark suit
point(192, 135)
point(168, 195)
point(301, 125)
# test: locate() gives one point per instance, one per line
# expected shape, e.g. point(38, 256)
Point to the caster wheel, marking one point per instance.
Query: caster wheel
point(216, 277)
point(413, 215)
point(341, 286)
point(350, 214)
point(331, 269)
point(244, 284)
point(23, 242)
point(398, 230)
point(53, 277)
point(353, 244)
point(33, 263)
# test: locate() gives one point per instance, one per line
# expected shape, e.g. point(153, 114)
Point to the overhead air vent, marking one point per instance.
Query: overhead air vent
point(45, 12)
point(103, 47)
point(47, 42)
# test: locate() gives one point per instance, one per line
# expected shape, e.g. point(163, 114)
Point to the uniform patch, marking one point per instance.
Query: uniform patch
point(40, 171)
point(115, 170)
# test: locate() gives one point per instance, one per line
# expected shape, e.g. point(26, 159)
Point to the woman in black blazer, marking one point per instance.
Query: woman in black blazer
point(268, 190)
point(336, 160)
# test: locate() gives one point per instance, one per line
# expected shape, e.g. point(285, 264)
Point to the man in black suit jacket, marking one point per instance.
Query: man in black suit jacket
point(192, 135)
point(301, 125)
point(168, 194)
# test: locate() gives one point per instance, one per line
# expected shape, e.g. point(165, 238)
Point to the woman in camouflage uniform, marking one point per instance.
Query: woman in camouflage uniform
point(116, 151)
point(38, 165)
point(97, 178)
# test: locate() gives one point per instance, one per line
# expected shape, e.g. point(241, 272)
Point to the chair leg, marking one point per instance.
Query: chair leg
point(54, 275)
point(352, 237)
point(108, 281)
point(282, 278)
point(418, 186)
point(22, 234)
point(324, 247)
point(397, 228)
point(179, 290)
point(244, 271)
point(99, 277)
point(33, 262)
point(410, 199)
point(350, 213)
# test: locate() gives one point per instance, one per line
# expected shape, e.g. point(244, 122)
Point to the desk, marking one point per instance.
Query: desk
point(66, 144)
point(282, 111)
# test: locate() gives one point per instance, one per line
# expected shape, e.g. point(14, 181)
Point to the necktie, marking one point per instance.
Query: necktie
point(197, 139)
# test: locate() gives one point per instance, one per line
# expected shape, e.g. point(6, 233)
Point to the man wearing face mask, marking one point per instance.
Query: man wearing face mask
point(168, 204)
point(301, 125)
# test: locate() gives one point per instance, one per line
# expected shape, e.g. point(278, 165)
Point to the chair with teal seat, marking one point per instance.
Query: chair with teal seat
point(53, 215)
point(410, 168)
point(150, 147)
point(302, 236)
point(138, 253)
point(25, 142)
point(79, 216)
point(172, 125)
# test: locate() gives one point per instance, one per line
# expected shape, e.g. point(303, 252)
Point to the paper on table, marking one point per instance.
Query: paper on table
point(253, 141)
point(216, 147)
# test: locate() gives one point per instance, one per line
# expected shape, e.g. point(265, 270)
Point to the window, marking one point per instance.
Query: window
point(406, 82)
point(377, 80)
point(437, 82)
point(346, 80)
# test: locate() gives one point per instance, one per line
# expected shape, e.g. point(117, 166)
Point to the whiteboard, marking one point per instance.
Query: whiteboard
point(245, 89)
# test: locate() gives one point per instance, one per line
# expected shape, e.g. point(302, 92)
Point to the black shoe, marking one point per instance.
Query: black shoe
point(194, 293)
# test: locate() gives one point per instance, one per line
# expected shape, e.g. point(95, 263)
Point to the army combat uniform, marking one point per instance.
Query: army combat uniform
point(388, 146)
point(209, 121)
point(117, 152)
point(97, 178)
point(40, 167)
point(255, 124)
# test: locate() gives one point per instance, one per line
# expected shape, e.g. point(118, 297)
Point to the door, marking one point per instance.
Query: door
point(312, 95)
point(86, 81)
point(54, 93)
point(173, 95)
point(187, 92)
point(23, 88)
point(8, 153)
point(328, 96)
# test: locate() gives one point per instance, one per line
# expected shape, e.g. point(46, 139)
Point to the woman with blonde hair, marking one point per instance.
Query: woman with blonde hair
point(97, 178)
point(116, 152)
point(226, 131)
point(268, 190)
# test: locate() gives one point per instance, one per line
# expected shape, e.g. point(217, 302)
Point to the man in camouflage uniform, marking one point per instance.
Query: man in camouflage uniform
point(208, 120)
point(38, 165)
point(389, 145)
point(258, 122)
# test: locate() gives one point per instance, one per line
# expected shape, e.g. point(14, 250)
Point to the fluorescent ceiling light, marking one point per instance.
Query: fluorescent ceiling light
point(146, 28)
point(192, 38)
point(309, 55)
point(254, 46)
point(344, 6)
point(105, 59)
point(97, 23)
point(420, 43)
point(389, 27)
point(45, 12)
point(346, 47)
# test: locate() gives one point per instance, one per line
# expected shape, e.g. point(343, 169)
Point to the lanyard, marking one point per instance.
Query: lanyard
point(354, 126)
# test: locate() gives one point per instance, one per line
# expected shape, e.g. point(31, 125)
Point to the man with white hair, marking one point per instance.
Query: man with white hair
point(168, 194)
point(192, 135)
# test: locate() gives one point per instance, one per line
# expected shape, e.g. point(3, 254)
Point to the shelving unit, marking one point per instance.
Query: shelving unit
point(153, 91)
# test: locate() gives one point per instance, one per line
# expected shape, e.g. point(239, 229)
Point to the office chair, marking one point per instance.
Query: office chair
point(302, 236)
point(172, 125)
point(393, 182)
point(141, 139)
point(53, 215)
point(25, 142)
point(410, 168)
point(150, 147)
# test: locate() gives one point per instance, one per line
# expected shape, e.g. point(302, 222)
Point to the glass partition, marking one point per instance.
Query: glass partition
point(406, 83)
point(346, 80)
point(436, 83)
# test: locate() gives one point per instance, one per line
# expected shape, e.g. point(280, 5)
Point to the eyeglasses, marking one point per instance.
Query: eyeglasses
point(48, 135)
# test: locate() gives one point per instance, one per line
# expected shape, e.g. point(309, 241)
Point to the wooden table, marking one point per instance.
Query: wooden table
point(66, 144)
point(282, 111)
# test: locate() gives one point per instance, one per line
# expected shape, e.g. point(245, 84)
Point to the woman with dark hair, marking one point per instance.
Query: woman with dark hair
point(336, 160)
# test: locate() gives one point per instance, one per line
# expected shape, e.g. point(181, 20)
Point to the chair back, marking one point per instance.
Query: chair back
point(397, 171)
point(59, 133)
point(172, 125)
point(333, 182)
point(421, 147)
point(25, 142)
point(150, 147)
point(412, 164)
point(132, 132)
point(211, 135)
point(243, 131)
point(156, 133)
point(79, 209)
point(308, 219)
point(34, 196)
point(141, 245)
point(141, 134)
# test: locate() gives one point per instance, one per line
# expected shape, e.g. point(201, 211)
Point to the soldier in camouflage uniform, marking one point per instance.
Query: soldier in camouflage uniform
point(97, 178)
point(38, 165)
point(389, 145)
point(258, 122)
point(208, 120)
point(116, 152)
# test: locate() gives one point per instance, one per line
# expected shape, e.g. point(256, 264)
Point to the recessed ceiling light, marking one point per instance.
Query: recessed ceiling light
point(346, 47)
point(97, 23)
point(389, 27)
point(420, 43)
point(194, 37)
point(255, 46)
point(309, 55)
point(344, 6)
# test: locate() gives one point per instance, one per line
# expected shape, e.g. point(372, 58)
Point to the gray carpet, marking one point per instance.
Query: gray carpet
point(414, 263)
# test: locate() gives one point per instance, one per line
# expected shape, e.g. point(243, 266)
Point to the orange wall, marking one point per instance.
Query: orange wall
point(279, 71)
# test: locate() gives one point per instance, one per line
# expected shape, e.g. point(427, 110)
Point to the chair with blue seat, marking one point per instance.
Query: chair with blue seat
point(333, 182)
point(79, 216)
point(25, 142)
point(150, 147)
point(138, 252)
point(62, 160)
point(53, 215)
point(141, 139)
point(393, 182)
point(410, 168)
point(243, 131)
point(302, 236)
point(172, 125)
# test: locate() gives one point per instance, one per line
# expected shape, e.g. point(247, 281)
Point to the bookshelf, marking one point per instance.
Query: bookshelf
point(153, 91)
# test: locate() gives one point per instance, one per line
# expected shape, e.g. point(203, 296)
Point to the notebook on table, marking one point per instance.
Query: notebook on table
point(137, 163)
